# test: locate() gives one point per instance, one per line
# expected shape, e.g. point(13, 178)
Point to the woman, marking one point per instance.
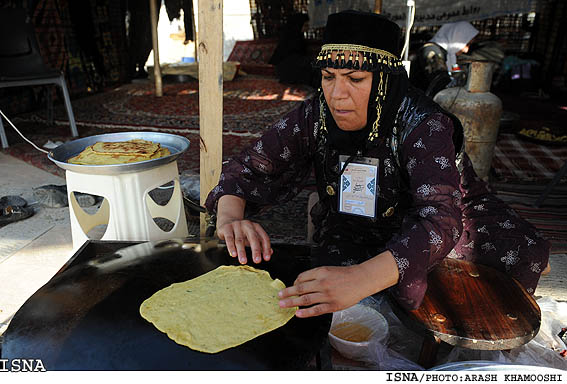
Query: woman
point(403, 197)
point(455, 39)
point(291, 59)
point(438, 57)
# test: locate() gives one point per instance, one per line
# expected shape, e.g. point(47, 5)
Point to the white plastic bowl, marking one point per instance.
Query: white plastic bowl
point(363, 315)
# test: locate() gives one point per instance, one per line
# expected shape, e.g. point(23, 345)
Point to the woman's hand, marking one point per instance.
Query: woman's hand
point(241, 233)
point(323, 290)
point(330, 289)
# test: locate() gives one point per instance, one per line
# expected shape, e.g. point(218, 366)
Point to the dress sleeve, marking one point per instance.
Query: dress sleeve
point(432, 226)
point(275, 168)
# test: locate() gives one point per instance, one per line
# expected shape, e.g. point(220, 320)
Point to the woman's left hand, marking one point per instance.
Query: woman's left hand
point(323, 290)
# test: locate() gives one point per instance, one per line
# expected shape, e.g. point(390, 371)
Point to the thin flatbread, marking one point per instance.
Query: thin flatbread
point(136, 147)
point(218, 310)
point(113, 155)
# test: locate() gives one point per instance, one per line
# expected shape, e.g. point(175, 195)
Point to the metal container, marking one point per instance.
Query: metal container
point(176, 145)
point(479, 111)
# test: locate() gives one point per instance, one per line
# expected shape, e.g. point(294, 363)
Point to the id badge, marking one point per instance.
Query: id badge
point(357, 193)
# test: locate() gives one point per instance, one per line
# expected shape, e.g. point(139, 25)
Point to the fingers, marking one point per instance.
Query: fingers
point(315, 304)
point(316, 310)
point(267, 250)
point(226, 233)
point(298, 289)
point(317, 291)
point(310, 274)
point(303, 300)
point(240, 243)
point(254, 240)
point(241, 233)
point(302, 295)
point(306, 282)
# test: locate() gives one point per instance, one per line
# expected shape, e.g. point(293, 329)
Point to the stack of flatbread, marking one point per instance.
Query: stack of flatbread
point(119, 152)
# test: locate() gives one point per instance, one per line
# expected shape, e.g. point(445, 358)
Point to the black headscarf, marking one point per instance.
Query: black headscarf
point(378, 41)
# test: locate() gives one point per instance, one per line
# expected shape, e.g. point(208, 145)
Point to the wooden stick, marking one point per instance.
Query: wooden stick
point(210, 97)
point(157, 69)
point(377, 6)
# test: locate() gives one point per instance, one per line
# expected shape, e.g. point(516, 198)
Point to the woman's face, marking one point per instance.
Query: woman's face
point(465, 49)
point(347, 92)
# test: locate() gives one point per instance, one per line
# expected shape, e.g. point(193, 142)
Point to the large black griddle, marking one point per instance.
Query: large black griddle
point(87, 316)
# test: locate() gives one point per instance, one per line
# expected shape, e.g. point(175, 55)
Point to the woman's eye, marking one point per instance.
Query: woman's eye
point(328, 77)
point(355, 80)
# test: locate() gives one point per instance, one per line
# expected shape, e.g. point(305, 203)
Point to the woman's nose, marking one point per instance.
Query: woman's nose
point(339, 90)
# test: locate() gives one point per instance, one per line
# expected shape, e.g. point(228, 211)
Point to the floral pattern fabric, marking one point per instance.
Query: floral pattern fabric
point(452, 213)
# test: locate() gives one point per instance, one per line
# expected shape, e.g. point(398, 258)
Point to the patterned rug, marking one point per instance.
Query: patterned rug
point(521, 168)
point(250, 104)
point(254, 55)
point(550, 218)
point(519, 160)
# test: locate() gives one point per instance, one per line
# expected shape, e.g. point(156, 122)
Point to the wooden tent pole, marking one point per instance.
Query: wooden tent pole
point(157, 69)
point(377, 6)
point(194, 26)
point(210, 45)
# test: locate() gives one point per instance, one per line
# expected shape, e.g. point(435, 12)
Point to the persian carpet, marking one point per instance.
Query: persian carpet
point(550, 218)
point(250, 104)
point(521, 168)
point(519, 160)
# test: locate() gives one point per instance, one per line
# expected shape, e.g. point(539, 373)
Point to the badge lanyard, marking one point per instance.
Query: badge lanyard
point(358, 185)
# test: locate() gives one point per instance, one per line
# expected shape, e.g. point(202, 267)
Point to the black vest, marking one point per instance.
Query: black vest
point(393, 198)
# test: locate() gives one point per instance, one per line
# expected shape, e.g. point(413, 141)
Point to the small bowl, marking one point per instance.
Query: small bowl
point(353, 329)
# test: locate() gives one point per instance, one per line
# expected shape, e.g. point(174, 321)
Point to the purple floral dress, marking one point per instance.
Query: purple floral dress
point(451, 212)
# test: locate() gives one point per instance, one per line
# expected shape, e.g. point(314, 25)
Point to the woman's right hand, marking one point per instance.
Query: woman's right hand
point(240, 233)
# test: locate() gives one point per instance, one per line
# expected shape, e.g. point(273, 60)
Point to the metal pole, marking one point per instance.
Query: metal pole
point(157, 69)
point(411, 5)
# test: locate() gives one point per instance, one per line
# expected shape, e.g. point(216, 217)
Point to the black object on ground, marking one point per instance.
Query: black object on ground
point(13, 208)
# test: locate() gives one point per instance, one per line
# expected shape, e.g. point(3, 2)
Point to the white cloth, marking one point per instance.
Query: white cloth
point(453, 37)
